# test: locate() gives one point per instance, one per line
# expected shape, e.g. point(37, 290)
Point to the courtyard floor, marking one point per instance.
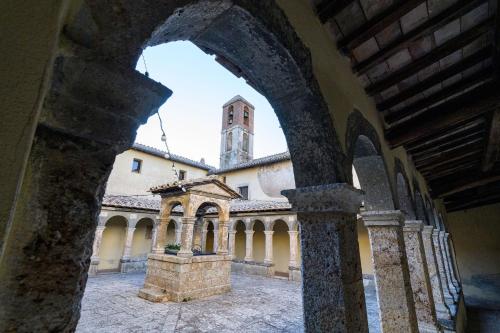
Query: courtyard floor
point(255, 304)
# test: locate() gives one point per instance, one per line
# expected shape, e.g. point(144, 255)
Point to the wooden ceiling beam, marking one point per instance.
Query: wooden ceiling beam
point(327, 9)
point(377, 24)
point(492, 151)
point(404, 41)
point(445, 116)
point(472, 202)
point(459, 150)
point(448, 143)
point(439, 77)
point(470, 167)
point(468, 184)
point(449, 134)
point(433, 56)
point(480, 77)
point(461, 158)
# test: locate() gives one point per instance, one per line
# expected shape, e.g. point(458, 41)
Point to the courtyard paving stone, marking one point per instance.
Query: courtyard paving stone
point(255, 304)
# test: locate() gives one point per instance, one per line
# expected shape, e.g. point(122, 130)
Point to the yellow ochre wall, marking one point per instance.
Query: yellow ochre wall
point(140, 245)
point(240, 241)
point(154, 171)
point(112, 244)
point(259, 242)
point(281, 247)
point(476, 236)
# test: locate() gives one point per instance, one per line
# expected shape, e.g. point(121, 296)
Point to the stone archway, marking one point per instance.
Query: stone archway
point(95, 104)
point(112, 244)
point(405, 202)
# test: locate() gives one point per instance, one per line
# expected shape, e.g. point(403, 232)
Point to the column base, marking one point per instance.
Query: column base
point(294, 274)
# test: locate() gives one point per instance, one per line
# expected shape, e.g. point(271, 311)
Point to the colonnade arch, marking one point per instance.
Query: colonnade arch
point(113, 243)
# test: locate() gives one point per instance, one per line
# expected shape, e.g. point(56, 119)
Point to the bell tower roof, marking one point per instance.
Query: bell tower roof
point(236, 99)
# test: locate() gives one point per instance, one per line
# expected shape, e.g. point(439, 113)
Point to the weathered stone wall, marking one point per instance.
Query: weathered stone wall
point(172, 278)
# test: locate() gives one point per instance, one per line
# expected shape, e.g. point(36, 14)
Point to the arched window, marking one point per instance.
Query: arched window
point(246, 115)
point(230, 115)
point(229, 141)
point(245, 142)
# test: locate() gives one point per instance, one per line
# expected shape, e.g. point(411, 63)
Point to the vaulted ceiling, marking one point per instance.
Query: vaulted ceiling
point(432, 67)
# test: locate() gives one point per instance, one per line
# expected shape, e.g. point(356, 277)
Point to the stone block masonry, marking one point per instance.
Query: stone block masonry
point(178, 279)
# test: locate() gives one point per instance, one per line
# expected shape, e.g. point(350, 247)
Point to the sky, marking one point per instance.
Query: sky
point(192, 116)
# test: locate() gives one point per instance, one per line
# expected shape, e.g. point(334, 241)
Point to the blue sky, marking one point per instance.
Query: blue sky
point(192, 116)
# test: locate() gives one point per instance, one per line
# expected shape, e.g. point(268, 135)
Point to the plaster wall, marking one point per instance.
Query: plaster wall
point(141, 245)
point(29, 33)
point(240, 241)
point(364, 249)
point(154, 171)
point(259, 242)
point(475, 235)
point(264, 182)
point(112, 245)
point(281, 247)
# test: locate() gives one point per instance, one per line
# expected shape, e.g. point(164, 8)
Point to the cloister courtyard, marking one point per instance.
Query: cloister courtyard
point(255, 304)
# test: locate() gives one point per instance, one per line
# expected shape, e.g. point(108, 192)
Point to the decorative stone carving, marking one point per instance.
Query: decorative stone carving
point(392, 278)
point(332, 285)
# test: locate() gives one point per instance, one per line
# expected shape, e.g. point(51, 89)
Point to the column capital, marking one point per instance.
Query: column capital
point(427, 229)
point(413, 226)
point(383, 218)
point(188, 220)
point(293, 232)
point(249, 232)
point(232, 232)
point(269, 232)
point(329, 198)
point(100, 228)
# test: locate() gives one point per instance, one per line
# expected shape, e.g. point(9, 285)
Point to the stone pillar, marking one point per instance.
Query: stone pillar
point(94, 260)
point(451, 264)
point(269, 247)
point(446, 261)
point(204, 240)
point(454, 258)
point(154, 234)
point(161, 236)
point(332, 283)
point(232, 243)
point(222, 238)
point(187, 237)
point(448, 296)
point(390, 265)
point(293, 248)
point(178, 235)
point(442, 310)
point(127, 250)
point(249, 245)
point(419, 277)
point(217, 231)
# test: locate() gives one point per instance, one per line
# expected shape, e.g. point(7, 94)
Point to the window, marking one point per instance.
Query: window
point(245, 142)
point(230, 115)
point(136, 165)
point(243, 190)
point(246, 115)
point(229, 141)
point(182, 174)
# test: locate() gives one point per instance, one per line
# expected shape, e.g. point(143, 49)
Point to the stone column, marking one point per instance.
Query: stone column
point(232, 243)
point(442, 310)
point(419, 277)
point(187, 237)
point(204, 240)
point(127, 251)
point(217, 232)
point(390, 265)
point(448, 296)
point(178, 235)
point(222, 235)
point(451, 263)
point(154, 234)
point(293, 248)
point(161, 236)
point(94, 260)
point(249, 245)
point(332, 283)
point(269, 247)
point(446, 261)
point(453, 256)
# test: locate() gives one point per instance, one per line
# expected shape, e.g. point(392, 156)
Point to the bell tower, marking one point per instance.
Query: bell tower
point(236, 144)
